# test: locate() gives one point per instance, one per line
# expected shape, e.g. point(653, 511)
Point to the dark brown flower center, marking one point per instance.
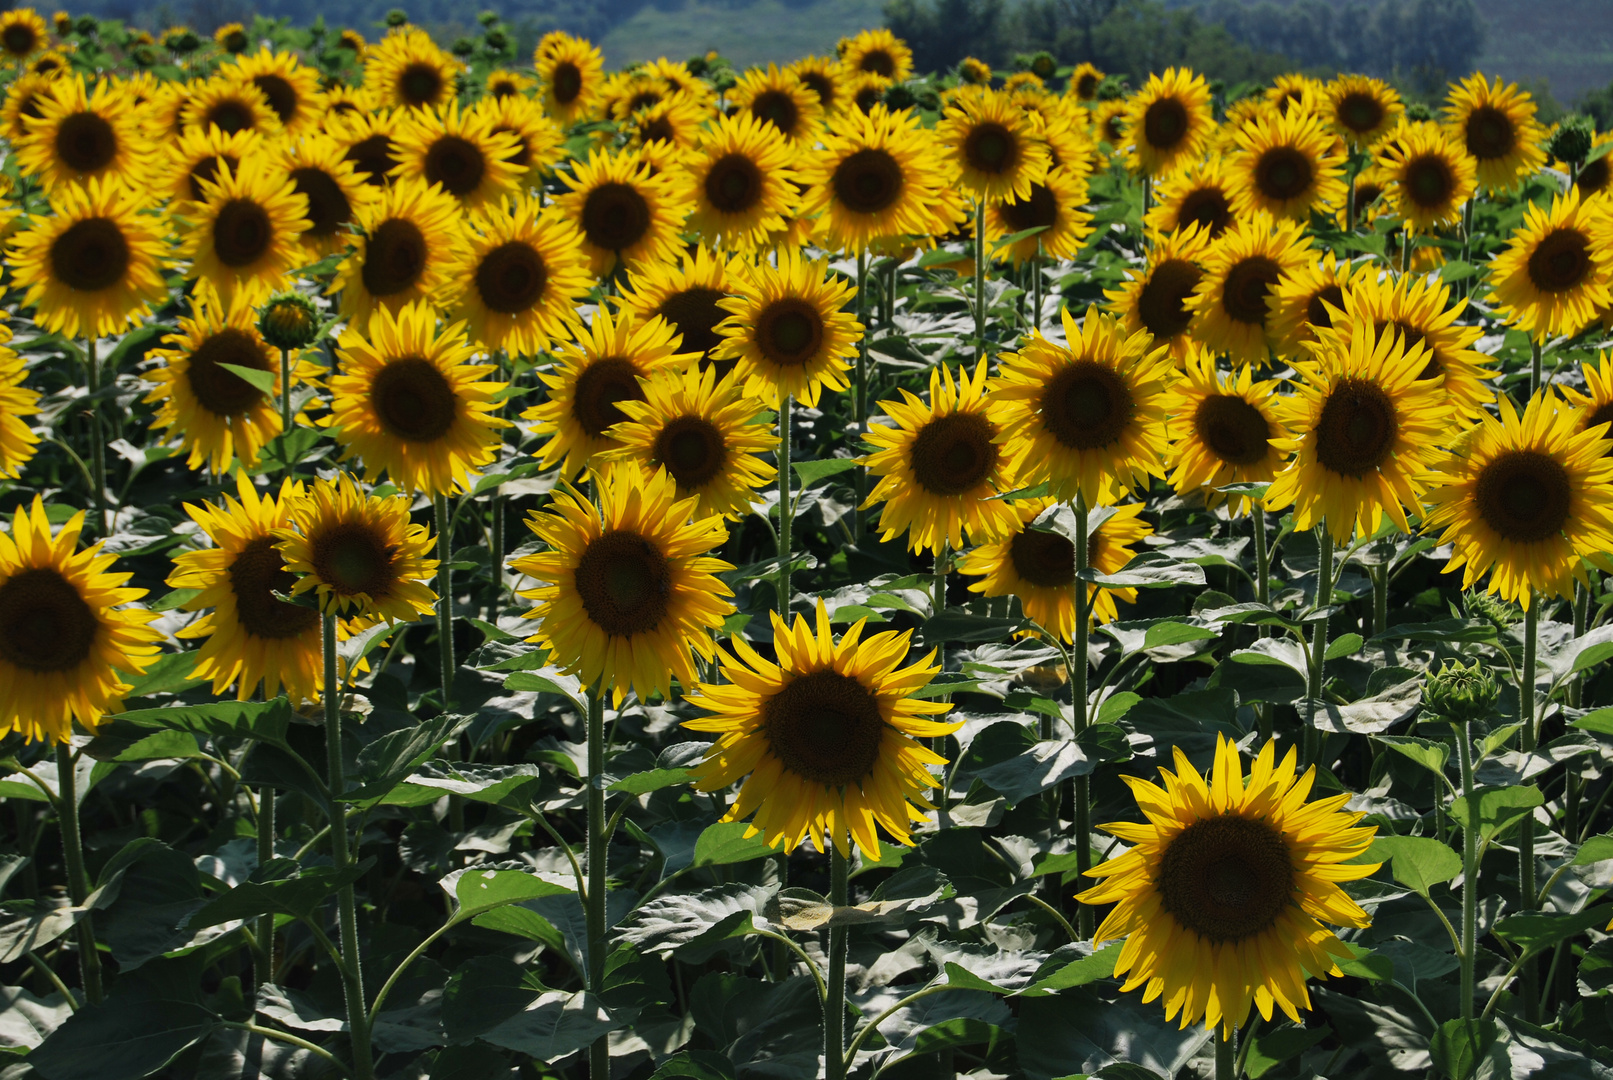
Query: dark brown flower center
point(733, 184)
point(1226, 878)
point(789, 332)
point(566, 82)
point(867, 181)
point(1602, 414)
point(991, 148)
point(90, 255)
point(1366, 193)
point(625, 583)
point(86, 142)
point(825, 727)
point(1360, 112)
point(819, 84)
point(1087, 405)
point(206, 171)
point(644, 99)
point(1560, 261)
point(776, 108)
point(20, 39)
point(1045, 559)
point(1429, 181)
point(45, 625)
point(1162, 300)
point(694, 313)
point(1248, 282)
point(282, 97)
point(1490, 133)
point(420, 84)
point(600, 386)
point(615, 216)
point(1524, 495)
point(1039, 211)
point(511, 278)
point(879, 62)
point(1208, 207)
point(1232, 429)
point(1593, 178)
point(217, 389)
point(395, 257)
point(1284, 173)
point(256, 574)
point(455, 163)
point(521, 156)
point(242, 233)
point(229, 116)
point(692, 450)
point(328, 208)
point(374, 157)
point(866, 98)
point(953, 454)
point(1086, 86)
point(413, 400)
point(1357, 428)
point(1316, 313)
point(352, 558)
point(1411, 337)
point(1165, 123)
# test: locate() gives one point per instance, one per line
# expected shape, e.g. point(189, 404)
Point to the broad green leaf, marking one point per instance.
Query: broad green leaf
point(123, 1038)
point(961, 628)
point(1417, 862)
point(171, 674)
point(811, 472)
point(699, 1064)
point(1599, 721)
point(1367, 964)
point(1460, 1045)
point(1425, 752)
point(387, 761)
point(154, 747)
point(652, 780)
point(1342, 646)
point(265, 720)
point(1100, 965)
point(725, 843)
point(298, 896)
point(550, 681)
point(555, 1025)
point(1596, 849)
point(480, 889)
point(1538, 931)
point(1271, 1048)
point(263, 381)
point(1499, 808)
point(1150, 570)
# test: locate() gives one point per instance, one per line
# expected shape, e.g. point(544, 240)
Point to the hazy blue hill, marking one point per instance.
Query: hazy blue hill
point(1568, 43)
point(767, 30)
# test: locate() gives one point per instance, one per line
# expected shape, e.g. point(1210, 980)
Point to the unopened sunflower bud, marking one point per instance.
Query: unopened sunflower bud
point(1461, 692)
point(397, 17)
point(1043, 66)
point(1492, 609)
point(289, 321)
point(1572, 140)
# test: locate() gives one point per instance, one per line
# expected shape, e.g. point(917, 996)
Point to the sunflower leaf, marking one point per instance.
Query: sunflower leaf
point(261, 380)
point(1417, 862)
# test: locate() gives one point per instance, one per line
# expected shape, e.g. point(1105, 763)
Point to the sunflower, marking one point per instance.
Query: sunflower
point(629, 92)
point(506, 84)
point(1156, 299)
point(1084, 82)
point(878, 175)
point(1227, 430)
point(675, 121)
point(537, 139)
point(244, 234)
point(196, 156)
point(342, 105)
point(1054, 205)
point(368, 142)
point(678, 77)
point(821, 75)
point(1063, 129)
point(64, 630)
point(94, 263)
point(788, 330)
point(1525, 500)
point(353, 42)
point(458, 152)
point(24, 101)
point(784, 100)
point(992, 147)
point(604, 367)
point(1286, 164)
point(703, 433)
point(520, 278)
point(17, 439)
point(1428, 175)
point(1308, 299)
point(408, 240)
point(743, 183)
point(291, 87)
point(53, 62)
point(321, 173)
point(22, 33)
point(629, 595)
point(250, 636)
point(688, 298)
point(1595, 406)
point(1233, 302)
point(878, 52)
point(1595, 177)
point(1170, 121)
point(866, 91)
point(1497, 126)
point(1109, 122)
point(570, 76)
point(1221, 899)
point(940, 466)
point(1088, 417)
point(164, 114)
point(218, 415)
point(81, 135)
point(1363, 426)
point(232, 38)
point(1293, 93)
point(1419, 309)
point(829, 736)
point(1556, 269)
point(1200, 195)
point(1362, 109)
point(230, 105)
point(626, 215)
point(408, 71)
point(1039, 567)
point(408, 401)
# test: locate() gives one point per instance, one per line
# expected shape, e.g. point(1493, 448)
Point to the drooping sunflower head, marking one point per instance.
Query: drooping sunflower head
point(784, 101)
point(570, 77)
point(1055, 205)
point(1201, 195)
point(1363, 426)
point(1169, 120)
point(65, 634)
point(1088, 416)
point(408, 401)
point(22, 33)
point(626, 214)
point(1223, 895)
point(17, 440)
point(1286, 164)
point(291, 87)
point(1233, 303)
point(245, 234)
point(408, 71)
point(1496, 125)
point(1525, 500)
point(993, 147)
point(1362, 109)
point(1156, 299)
point(94, 264)
point(878, 52)
point(231, 105)
point(604, 367)
point(826, 739)
point(82, 134)
point(629, 594)
point(788, 331)
point(688, 298)
point(1557, 268)
point(409, 238)
point(459, 152)
point(743, 183)
point(321, 173)
point(1227, 431)
point(358, 553)
point(521, 276)
point(1427, 175)
point(704, 433)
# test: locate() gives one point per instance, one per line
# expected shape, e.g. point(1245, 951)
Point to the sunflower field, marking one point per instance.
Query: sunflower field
point(524, 571)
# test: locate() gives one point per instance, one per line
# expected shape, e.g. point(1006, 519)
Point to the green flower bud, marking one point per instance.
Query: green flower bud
point(397, 17)
point(1572, 139)
point(1043, 66)
point(1461, 693)
point(289, 321)
point(1491, 609)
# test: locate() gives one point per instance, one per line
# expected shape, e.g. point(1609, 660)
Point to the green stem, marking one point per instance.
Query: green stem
point(1528, 737)
point(1576, 691)
point(1470, 868)
point(1380, 599)
point(285, 1037)
point(358, 1023)
point(785, 523)
point(834, 1002)
point(1081, 795)
point(78, 881)
point(1324, 599)
point(599, 1052)
point(266, 830)
point(1225, 1060)
point(1406, 244)
point(873, 1025)
point(92, 371)
point(445, 597)
point(285, 392)
point(495, 548)
point(938, 743)
point(1535, 353)
point(860, 474)
point(1257, 522)
point(1036, 286)
point(980, 276)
